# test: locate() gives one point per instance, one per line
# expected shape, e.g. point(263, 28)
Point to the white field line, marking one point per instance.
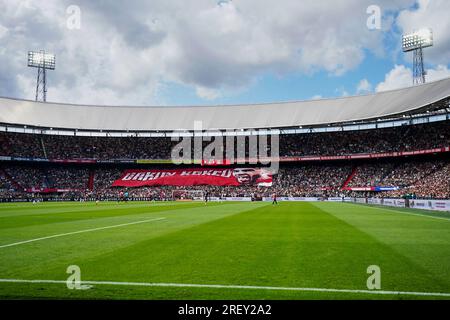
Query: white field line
point(77, 232)
point(402, 212)
point(219, 286)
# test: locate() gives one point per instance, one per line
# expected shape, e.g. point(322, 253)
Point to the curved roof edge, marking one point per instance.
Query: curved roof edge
point(226, 117)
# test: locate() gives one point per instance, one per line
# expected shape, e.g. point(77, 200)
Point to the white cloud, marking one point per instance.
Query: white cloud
point(125, 50)
point(3, 31)
point(440, 72)
point(341, 91)
point(431, 14)
point(364, 86)
point(207, 93)
point(399, 77)
point(316, 97)
point(402, 77)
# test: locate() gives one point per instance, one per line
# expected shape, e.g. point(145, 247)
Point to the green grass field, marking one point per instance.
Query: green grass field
point(157, 250)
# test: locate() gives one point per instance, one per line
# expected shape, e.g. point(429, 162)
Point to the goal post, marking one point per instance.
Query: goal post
point(188, 195)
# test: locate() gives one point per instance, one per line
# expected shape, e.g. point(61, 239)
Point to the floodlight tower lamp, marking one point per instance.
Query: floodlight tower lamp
point(42, 61)
point(416, 42)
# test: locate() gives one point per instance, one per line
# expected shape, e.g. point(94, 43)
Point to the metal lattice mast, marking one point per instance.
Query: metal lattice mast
point(418, 66)
point(41, 85)
point(416, 42)
point(43, 62)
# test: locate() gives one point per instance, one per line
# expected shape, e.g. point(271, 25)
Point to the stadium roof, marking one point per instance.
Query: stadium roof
point(258, 116)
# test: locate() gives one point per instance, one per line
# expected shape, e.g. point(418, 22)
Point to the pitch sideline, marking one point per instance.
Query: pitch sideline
point(219, 286)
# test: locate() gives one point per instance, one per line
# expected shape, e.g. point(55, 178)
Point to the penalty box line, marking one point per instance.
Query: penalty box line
point(242, 287)
point(78, 232)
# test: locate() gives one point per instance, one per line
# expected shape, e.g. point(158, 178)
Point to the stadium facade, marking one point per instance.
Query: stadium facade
point(383, 145)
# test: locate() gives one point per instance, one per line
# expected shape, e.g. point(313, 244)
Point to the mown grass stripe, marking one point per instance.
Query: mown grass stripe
point(401, 212)
point(78, 232)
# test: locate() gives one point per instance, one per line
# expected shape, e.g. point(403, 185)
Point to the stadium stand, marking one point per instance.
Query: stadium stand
point(407, 138)
point(391, 144)
point(426, 178)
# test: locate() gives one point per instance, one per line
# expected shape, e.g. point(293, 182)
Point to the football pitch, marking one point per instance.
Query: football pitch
point(171, 250)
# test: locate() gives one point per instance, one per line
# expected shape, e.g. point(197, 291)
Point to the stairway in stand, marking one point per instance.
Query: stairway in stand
point(350, 177)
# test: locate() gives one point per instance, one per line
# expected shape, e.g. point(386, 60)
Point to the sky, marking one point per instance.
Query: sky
point(210, 52)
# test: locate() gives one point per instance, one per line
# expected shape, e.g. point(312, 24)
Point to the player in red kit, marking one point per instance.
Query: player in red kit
point(274, 199)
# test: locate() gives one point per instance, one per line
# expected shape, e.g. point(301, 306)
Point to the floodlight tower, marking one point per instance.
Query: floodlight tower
point(42, 61)
point(416, 42)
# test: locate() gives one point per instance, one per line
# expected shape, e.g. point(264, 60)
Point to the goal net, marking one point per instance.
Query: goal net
point(188, 195)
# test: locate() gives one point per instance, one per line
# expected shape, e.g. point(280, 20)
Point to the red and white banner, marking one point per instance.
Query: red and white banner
point(192, 177)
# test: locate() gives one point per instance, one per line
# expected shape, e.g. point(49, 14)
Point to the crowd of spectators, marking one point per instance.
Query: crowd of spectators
point(407, 174)
point(5, 184)
point(435, 184)
point(425, 178)
point(406, 138)
point(67, 178)
point(21, 145)
point(39, 178)
point(371, 174)
point(26, 177)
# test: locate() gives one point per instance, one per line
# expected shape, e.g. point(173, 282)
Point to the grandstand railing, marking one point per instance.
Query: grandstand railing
point(431, 117)
point(357, 156)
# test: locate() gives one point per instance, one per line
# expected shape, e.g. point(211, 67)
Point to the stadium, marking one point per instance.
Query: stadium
point(224, 155)
point(362, 181)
